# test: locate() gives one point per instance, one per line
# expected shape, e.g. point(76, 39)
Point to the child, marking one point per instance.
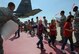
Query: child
point(29, 26)
point(53, 33)
point(40, 29)
point(39, 33)
point(68, 33)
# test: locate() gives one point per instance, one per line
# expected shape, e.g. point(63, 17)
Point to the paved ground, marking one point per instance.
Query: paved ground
point(27, 45)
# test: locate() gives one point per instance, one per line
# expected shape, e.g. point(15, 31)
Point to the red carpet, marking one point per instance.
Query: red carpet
point(27, 45)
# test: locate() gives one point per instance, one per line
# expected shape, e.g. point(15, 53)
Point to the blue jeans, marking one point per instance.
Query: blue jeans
point(65, 42)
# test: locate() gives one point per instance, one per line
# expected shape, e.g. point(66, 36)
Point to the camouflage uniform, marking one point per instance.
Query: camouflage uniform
point(76, 25)
point(5, 15)
point(2, 22)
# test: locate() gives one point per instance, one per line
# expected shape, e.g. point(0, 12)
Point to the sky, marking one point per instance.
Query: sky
point(50, 8)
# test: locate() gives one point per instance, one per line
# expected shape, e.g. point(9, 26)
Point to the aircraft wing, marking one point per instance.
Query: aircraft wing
point(24, 6)
point(25, 9)
point(33, 12)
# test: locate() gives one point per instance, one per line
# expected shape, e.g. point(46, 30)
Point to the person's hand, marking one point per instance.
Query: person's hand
point(75, 30)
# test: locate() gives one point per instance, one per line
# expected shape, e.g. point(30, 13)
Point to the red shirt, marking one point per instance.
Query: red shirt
point(53, 31)
point(40, 29)
point(68, 26)
point(29, 26)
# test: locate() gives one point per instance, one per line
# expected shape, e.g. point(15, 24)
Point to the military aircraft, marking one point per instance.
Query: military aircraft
point(25, 9)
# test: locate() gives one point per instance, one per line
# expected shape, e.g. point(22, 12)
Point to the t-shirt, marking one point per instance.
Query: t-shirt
point(52, 31)
point(68, 26)
point(40, 29)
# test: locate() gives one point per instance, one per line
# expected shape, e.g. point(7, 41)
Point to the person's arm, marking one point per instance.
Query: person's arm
point(16, 20)
point(69, 30)
point(14, 17)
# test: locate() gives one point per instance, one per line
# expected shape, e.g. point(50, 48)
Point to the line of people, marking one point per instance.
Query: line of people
point(67, 31)
point(67, 34)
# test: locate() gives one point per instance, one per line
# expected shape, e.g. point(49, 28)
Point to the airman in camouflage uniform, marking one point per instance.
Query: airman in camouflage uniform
point(76, 24)
point(6, 14)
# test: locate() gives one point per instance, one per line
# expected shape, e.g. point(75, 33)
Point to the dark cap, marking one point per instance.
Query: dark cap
point(75, 8)
point(11, 4)
point(44, 16)
point(62, 11)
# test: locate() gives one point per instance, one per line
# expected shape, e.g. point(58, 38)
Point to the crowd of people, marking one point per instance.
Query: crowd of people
point(65, 23)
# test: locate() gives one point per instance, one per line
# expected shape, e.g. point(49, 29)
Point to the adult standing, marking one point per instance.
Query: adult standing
point(6, 14)
point(62, 21)
point(76, 24)
point(45, 24)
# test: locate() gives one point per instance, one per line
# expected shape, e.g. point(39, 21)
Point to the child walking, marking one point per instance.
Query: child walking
point(52, 33)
